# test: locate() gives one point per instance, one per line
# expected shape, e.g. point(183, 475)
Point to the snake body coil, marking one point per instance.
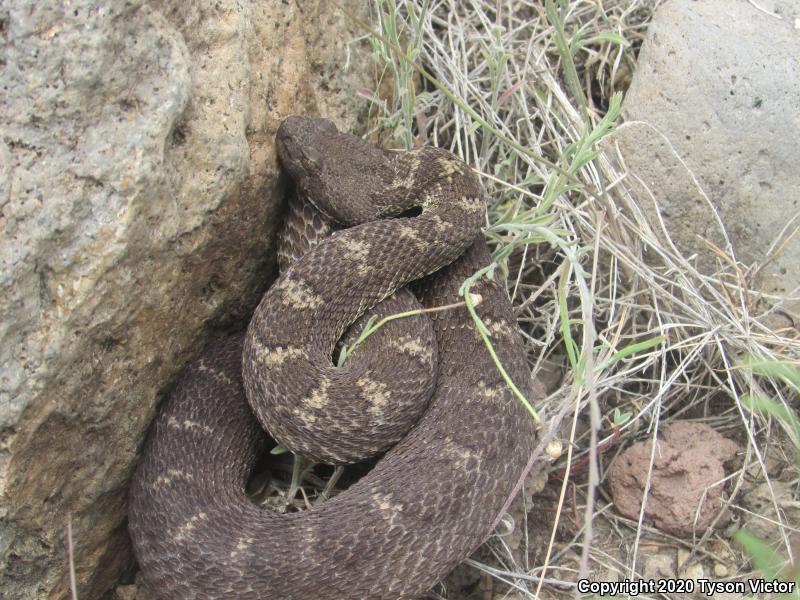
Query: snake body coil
point(432, 498)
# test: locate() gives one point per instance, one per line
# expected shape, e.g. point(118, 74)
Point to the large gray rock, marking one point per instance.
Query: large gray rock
point(718, 84)
point(139, 183)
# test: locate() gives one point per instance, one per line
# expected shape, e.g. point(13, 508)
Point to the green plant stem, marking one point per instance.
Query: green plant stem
point(299, 469)
point(567, 63)
point(483, 332)
point(372, 327)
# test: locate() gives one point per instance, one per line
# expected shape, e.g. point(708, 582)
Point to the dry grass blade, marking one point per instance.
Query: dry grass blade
point(73, 585)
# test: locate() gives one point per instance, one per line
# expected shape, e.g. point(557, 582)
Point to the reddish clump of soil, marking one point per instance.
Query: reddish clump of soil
point(685, 488)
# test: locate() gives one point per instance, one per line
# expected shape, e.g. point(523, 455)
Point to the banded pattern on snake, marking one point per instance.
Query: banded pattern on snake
point(433, 496)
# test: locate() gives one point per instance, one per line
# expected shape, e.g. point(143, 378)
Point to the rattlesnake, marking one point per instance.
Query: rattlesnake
point(433, 497)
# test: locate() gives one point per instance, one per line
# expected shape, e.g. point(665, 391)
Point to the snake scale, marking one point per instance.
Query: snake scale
point(434, 495)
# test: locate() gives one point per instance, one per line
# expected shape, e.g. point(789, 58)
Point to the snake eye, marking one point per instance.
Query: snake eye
point(310, 165)
point(311, 161)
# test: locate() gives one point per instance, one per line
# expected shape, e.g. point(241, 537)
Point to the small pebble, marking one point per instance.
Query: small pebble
point(554, 449)
point(695, 571)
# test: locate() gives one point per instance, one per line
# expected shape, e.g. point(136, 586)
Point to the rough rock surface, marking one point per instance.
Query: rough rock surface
point(717, 84)
point(762, 501)
point(139, 185)
point(685, 490)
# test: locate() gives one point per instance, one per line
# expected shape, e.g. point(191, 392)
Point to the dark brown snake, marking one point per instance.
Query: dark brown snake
point(433, 497)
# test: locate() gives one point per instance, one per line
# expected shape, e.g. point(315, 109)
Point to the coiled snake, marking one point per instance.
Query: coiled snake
point(434, 495)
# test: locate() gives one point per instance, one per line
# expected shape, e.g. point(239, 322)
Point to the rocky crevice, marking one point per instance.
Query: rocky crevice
point(139, 190)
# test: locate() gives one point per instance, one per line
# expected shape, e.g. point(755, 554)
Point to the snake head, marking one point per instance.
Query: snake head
point(299, 142)
point(343, 175)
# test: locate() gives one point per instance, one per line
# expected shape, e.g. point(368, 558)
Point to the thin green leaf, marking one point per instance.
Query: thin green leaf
point(763, 556)
point(578, 42)
point(633, 349)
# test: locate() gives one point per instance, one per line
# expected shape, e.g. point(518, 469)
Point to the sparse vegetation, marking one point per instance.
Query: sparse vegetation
point(628, 332)
point(772, 564)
